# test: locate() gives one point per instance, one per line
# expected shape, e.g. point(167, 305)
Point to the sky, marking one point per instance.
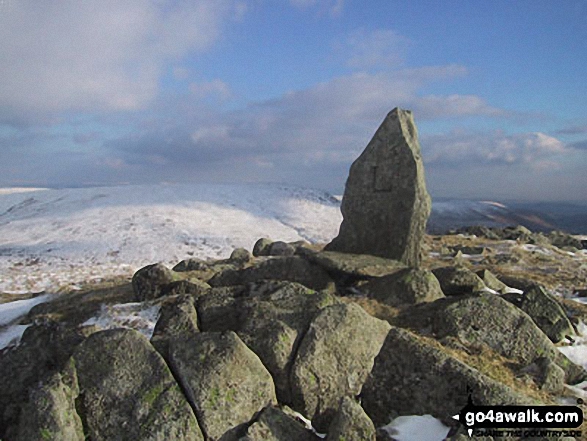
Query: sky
point(104, 92)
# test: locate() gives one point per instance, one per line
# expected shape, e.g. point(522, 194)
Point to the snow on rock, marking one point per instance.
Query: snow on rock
point(138, 316)
point(11, 335)
point(417, 428)
point(9, 312)
point(51, 238)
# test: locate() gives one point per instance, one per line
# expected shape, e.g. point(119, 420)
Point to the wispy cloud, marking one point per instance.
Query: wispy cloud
point(372, 49)
point(90, 55)
point(573, 130)
point(332, 7)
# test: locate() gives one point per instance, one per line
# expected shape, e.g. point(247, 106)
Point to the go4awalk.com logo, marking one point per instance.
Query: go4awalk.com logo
point(521, 420)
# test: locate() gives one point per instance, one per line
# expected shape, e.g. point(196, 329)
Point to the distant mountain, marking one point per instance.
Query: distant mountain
point(53, 237)
point(450, 214)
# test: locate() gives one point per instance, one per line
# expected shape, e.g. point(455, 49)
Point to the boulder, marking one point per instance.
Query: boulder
point(351, 423)
point(351, 266)
point(191, 265)
point(224, 380)
point(128, 392)
point(275, 425)
point(491, 281)
point(195, 288)
point(149, 282)
point(44, 350)
point(280, 248)
point(487, 319)
point(547, 313)
point(415, 376)
point(458, 280)
point(240, 256)
point(292, 269)
point(407, 286)
point(273, 320)
point(177, 318)
point(221, 309)
point(385, 205)
point(50, 413)
point(261, 247)
point(334, 359)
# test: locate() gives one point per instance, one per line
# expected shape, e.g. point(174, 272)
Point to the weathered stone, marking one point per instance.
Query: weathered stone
point(148, 282)
point(407, 286)
point(50, 413)
point(334, 359)
point(240, 256)
point(273, 320)
point(177, 318)
point(195, 288)
point(385, 204)
point(546, 313)
point(275, 425)
point(221, 309)
point(225, 381)
point(458, 281)
point(261, 247)
point(291, 269)
point(351, 423)
point(491, 281)
point(128, 392)
point(345, 265)
point(191, 265)
point(490, 320)
point(43, 351)
point(414, 376)
point(280, 248)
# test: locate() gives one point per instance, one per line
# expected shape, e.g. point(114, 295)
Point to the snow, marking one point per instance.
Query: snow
point(11, 335)
point(137, 316)
point(53, 238)
point(11, 311)
point(417, 428)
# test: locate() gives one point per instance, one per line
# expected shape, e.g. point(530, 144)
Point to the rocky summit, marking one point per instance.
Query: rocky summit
point(344, 341)
point(385, 204)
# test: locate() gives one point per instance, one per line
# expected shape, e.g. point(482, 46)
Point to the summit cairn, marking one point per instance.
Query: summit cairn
point(385, 204)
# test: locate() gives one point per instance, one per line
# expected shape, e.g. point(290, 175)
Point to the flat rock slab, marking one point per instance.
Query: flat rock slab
point(353, 265)
point(334, 359)
point(224, 380)
point(128, 392)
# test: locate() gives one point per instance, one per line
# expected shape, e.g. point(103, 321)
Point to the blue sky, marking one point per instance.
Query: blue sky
point(146, 91)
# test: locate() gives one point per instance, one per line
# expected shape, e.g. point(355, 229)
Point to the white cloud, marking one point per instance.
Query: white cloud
point(378, 48)
point(332, 7)
point(536, 150)
point(215, 88)
point(98, 54)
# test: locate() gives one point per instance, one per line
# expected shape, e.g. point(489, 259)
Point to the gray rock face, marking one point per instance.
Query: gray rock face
point(223, 379)
point(178, 318)
point(334, 359)
point(412, 376)
point(407, 286)
point(385, 205)
point(546, 313)
point(128, 392)
point(351, 423)
point(50, 413)
point(275, 425)
point(457, 281)
point(149, 282)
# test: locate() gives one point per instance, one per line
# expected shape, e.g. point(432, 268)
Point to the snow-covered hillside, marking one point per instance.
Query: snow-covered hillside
point(50, 238)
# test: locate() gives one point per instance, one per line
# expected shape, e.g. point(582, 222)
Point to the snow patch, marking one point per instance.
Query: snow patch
point(11, 311)
point(138, 316)
point(11, 335)
point(417, 428)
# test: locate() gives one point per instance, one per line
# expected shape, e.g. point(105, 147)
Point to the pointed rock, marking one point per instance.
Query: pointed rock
point(385, 204)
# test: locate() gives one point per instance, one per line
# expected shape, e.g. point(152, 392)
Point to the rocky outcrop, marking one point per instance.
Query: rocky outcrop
point(128, 392)
point(458, 280)
point(546, 313)
point(275, 425)
point(414, 376)
point(407, 286)
point(333, 360)
point(385, 204)
point(351, 423)
point(224, 381)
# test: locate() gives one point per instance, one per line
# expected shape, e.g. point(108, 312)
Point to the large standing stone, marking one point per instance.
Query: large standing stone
point(385, 205)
